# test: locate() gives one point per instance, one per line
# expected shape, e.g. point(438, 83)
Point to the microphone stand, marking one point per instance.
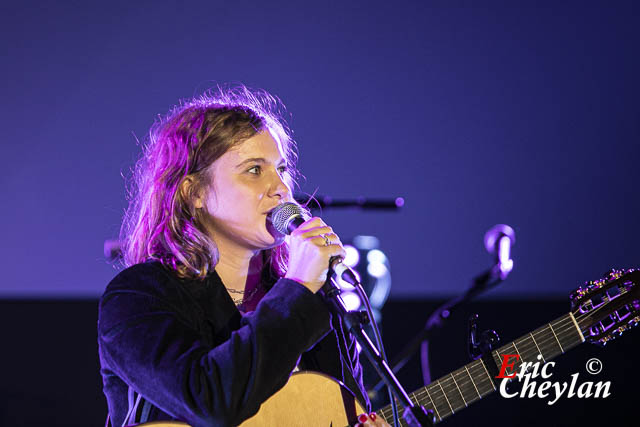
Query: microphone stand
point(414, 415)
point(481, 283)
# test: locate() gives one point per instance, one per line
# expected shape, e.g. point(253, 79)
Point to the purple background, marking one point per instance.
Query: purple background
point(525, 114)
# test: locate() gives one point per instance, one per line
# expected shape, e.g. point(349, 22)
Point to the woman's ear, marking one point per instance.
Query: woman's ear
point(190, 193)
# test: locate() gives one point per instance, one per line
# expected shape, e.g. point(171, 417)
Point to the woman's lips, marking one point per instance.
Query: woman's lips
point(271, 209)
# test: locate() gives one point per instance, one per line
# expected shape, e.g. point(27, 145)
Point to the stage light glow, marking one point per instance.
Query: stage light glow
point(353, 256)
point(371, 267)
point(351, 300)
point(377, 270)
point(376, 256)
point(381, 291)
point(366, 242)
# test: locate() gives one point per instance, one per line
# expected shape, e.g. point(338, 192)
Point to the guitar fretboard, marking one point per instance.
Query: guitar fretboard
point(472, 382)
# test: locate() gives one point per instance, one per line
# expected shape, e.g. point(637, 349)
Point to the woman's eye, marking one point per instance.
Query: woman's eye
point(257, 170)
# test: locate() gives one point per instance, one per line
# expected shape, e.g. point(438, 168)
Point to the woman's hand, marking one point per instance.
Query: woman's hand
point(311, 246)
point(371, 420)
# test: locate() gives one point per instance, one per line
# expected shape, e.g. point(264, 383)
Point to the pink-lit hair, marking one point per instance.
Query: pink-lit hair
point(161, 223)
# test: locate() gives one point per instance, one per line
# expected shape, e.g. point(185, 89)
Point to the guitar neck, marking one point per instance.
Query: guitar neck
point(472, 382)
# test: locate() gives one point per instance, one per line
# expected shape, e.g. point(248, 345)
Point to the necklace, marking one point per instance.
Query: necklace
point(240, 298)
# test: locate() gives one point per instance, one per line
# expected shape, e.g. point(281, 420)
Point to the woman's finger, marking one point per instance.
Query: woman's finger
point(316, 231)
point(309, 224)
point(372, 419)
point(378, 421)
point(326, 239)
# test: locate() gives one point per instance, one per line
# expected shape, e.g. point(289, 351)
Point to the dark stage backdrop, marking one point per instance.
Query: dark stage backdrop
point(523, 113)
point(50, 370)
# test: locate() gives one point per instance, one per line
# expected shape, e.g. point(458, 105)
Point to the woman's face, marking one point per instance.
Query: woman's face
point(248, 181)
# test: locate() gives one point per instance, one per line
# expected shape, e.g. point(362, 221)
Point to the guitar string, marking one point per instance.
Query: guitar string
point(559, 329)
point(466, 384)
point(541, 342)
point(439, 400)
point(563, 326)
point(467, 387)
point(466, 381)
point(525, 344)
point(448, 380)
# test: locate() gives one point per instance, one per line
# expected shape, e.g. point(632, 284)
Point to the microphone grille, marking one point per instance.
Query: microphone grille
point(283, 214)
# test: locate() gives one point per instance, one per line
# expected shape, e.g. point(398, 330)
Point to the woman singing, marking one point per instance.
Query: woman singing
point(216, 309)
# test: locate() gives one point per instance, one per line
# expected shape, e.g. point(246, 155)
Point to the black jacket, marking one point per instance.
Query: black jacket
point(176, 349)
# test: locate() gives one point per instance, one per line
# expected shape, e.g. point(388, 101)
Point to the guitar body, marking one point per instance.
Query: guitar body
point(308, 398)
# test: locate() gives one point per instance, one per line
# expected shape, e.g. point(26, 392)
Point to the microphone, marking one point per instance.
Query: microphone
point(318, 201)
point(498, 240)
point(287, 217)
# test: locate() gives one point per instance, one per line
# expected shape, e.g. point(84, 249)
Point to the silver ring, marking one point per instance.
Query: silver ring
point(327, 242)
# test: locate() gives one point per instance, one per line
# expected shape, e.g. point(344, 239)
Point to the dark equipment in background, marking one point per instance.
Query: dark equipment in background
point(498, 241)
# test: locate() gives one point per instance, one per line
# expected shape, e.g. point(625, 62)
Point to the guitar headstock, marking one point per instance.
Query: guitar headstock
point(607, 307)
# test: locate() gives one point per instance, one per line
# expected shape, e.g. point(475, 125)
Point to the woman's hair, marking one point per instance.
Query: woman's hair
point(161, 222)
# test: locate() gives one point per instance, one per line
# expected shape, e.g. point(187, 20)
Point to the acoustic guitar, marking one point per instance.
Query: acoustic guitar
point(600, 312)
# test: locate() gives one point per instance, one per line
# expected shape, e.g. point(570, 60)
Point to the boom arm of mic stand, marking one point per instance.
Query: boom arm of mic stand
point(414, 415)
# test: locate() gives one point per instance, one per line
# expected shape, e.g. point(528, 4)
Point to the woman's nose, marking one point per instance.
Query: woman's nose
point(279, 186)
